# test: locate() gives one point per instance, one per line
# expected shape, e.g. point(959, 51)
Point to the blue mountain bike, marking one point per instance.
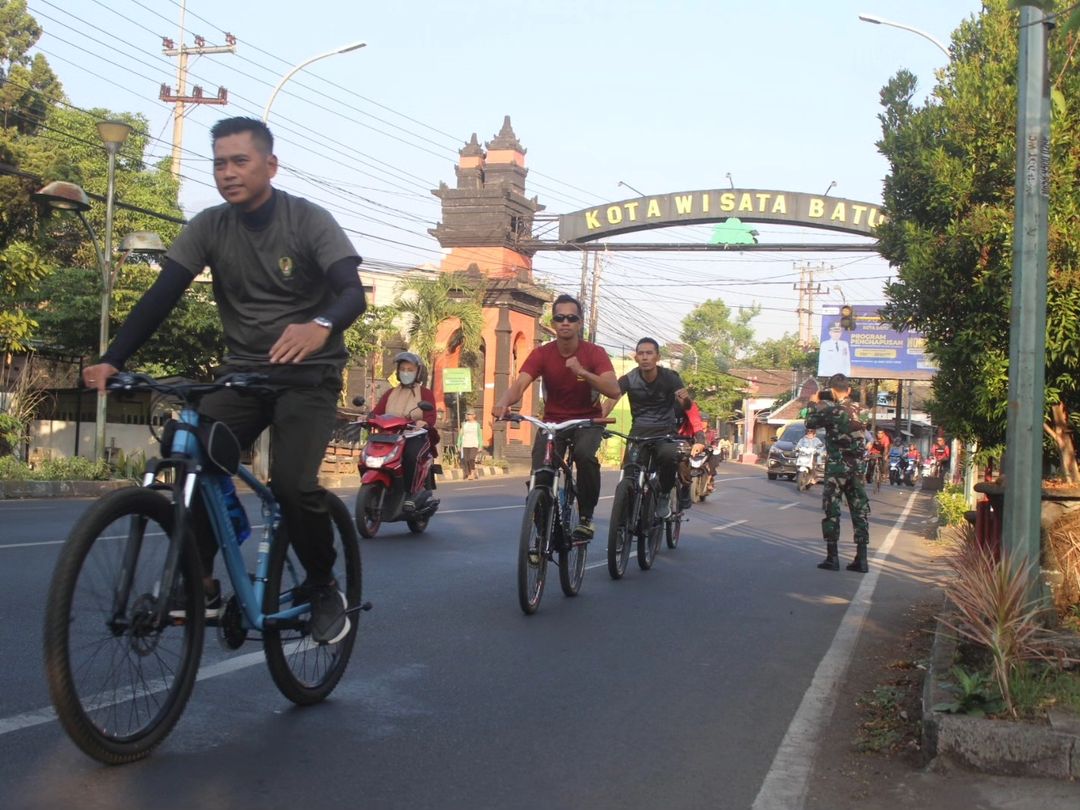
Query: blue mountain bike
point(125, 617)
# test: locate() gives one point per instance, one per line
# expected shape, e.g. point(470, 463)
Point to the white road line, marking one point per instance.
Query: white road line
point(480, 509)
point(723, 526)
point(39, 716)
point(788, 506)
point(785, 784)
point(471, 489)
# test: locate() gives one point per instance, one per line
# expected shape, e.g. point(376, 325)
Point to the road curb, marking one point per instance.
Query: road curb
point(12, 490)
point(1001, 747)
point(453, 474)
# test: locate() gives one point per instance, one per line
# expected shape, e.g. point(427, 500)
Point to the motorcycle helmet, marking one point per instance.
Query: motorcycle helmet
point(410, 357)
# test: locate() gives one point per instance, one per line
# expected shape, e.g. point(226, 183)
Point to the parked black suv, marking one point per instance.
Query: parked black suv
point(782, 453)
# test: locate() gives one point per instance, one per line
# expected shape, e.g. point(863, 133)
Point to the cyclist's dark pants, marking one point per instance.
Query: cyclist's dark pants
point(301, 419)
point(667, 460)
point(586, 442)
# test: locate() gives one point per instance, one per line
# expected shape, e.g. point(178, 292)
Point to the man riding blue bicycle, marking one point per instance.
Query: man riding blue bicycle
point(573, 371)
point(286, 286)
point(658, 399)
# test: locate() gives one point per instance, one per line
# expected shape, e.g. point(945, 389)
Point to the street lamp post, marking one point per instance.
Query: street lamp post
point(873, 18)
point(354, 46)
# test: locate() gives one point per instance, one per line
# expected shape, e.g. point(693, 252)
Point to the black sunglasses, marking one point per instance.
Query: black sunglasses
point(561, 318)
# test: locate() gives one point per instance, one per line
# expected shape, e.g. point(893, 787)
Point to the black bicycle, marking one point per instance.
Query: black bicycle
point(125, 614)
point(633, 511)
point(551, 513)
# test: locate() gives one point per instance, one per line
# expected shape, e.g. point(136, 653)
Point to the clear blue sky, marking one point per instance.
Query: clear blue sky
point(665, 95)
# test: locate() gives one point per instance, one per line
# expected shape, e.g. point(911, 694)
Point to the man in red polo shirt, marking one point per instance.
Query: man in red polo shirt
point(574, 372)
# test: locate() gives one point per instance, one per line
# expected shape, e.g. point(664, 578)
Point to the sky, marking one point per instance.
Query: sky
point(661, 95)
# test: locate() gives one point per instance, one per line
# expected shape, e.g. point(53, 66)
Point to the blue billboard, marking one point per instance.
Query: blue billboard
point(872, 349)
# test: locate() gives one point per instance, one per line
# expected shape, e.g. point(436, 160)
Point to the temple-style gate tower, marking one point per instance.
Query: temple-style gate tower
point(484, 219)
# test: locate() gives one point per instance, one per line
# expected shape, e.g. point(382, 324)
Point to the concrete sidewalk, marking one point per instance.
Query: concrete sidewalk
point(897, 636)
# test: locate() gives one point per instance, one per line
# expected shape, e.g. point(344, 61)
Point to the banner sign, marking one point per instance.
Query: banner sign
point(717, 205)
point(872, 350)
point(457, 380)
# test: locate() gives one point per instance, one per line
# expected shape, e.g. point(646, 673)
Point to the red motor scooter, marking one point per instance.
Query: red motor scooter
point(385, 496)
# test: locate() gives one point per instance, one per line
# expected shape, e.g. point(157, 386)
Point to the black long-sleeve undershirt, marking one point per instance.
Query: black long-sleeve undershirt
point(158, 301)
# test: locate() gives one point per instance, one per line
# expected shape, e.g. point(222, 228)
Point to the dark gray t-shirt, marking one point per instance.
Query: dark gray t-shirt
point(652, 404)
point(268, 278)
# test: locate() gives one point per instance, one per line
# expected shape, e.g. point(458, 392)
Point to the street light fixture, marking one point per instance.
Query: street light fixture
point(873, 18)
point(345, 49)
point(70, 197)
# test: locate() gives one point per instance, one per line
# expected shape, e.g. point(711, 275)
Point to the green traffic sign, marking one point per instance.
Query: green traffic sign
point(457, 380)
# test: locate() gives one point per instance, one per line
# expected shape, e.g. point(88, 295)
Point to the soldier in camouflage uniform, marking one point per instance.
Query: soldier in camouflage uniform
point(845, 441)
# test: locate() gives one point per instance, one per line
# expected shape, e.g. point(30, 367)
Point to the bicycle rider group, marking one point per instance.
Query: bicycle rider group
point(286, 286)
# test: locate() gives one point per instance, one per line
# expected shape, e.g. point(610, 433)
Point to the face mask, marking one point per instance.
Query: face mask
point(407, 377)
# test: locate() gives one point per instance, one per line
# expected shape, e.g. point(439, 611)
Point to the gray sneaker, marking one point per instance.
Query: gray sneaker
point(329, 622)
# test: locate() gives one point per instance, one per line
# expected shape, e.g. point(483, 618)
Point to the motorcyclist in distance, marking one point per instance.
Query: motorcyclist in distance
point(403, 400)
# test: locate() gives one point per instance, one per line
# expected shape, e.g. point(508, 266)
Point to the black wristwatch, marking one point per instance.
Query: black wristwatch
point(325, 323)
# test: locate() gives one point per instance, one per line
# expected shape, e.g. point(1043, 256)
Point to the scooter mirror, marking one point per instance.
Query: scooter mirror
point(358, 401)
point(425, 406)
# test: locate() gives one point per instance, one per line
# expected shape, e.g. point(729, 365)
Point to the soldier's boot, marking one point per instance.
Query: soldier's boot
point(859, 563)
point(832, 559)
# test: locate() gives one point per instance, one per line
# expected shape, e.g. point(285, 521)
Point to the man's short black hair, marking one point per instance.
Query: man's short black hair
point(655, 345)
point(839, 382)
point(567, 299)
point(260, 132)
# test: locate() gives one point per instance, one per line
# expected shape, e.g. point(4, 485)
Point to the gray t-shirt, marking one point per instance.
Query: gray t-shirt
point(652, 404)
point(268, 278)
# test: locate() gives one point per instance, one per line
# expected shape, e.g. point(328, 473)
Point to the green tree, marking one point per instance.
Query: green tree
point(782, 352)
point(427, 303)
point(950, 194)
point(718, 336)
point(716, 393)
point(365, 339)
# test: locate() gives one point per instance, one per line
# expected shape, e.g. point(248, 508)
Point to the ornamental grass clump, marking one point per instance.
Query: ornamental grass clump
point(995, 610)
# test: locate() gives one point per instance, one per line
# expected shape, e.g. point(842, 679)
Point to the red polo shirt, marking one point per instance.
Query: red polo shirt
point(566, 396)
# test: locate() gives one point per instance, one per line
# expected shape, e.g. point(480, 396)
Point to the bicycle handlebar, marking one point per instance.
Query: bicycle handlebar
point(556, 427)
point(186, 390)
point(647, 439)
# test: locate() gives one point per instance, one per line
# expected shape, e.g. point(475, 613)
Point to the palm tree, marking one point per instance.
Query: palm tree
point(366, 337)
point(427, 303)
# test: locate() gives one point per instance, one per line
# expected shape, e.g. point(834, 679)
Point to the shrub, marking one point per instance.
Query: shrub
point(951, 505)
point(995, 609)
point(56, 469)
point(11, 469)
point(75, 468)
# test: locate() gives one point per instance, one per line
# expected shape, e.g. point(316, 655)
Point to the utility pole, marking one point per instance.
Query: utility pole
point(584, 282)
point(807, 290)
point(179, 99)
point(594, 297)
point(1027, 331)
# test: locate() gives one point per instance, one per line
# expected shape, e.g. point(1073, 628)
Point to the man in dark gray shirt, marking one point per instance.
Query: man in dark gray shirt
point(657, 401)
point(286, 287)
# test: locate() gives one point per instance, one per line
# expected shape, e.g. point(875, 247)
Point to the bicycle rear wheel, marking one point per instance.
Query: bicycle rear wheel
point(533, 545)
point(119, 679)
point(573, 553)
point(621, 529)
point(648, 542)
point(304, 671)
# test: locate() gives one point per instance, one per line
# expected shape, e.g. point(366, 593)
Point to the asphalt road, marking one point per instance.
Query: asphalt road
point(672, 688)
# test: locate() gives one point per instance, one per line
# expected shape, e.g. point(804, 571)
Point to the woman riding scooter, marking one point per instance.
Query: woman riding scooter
point(403, 401)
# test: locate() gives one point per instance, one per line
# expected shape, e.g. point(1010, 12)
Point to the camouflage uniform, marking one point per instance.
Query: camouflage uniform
point(845, 441)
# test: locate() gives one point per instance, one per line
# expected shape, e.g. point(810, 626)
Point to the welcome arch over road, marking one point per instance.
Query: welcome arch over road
point(749, 205)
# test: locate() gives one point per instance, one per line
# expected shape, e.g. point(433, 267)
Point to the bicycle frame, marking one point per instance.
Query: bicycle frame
point(186, 456)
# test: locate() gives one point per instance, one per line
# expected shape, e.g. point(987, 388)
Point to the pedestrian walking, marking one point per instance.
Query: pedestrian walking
point(845, 441)
point(470, 439)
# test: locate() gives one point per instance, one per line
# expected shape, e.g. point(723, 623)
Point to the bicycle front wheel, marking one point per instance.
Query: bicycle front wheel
point(573, 554)
point(532, 549)
point(305, 671)
point(118, 677)
point(621, 529)
point(649, 534)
